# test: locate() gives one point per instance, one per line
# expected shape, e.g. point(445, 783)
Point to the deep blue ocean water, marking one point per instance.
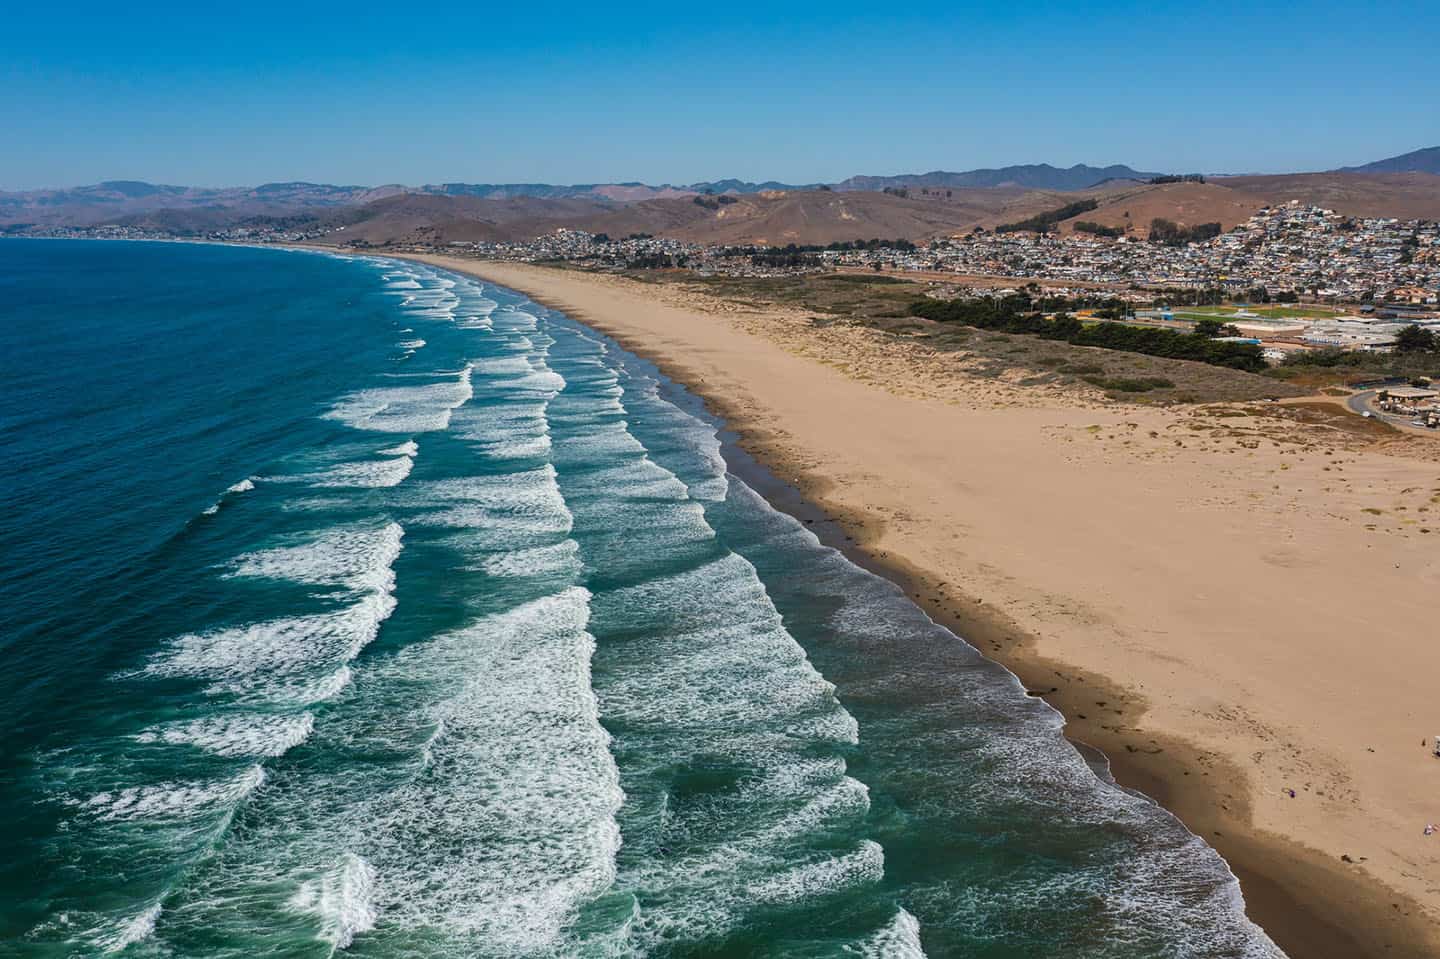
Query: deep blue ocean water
point(355, 606)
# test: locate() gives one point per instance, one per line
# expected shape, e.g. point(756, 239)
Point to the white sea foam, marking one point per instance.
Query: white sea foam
point(411, 344)
point(898, 940)
point(503, 366)
point(404, 409)
point(244, 486)
point(514, 508)
point(274, 656)
point(691, 443)
point(364, 474)
point(533, 447)
point(512, 828)
point(173, 800)
point(864, 866)
point(293, 690)
point(355, 557)
point(342, 901)
point(643, 480)
point(315, 504)
point(346, 469)
point(506, 432)
point(240, 657)
point(136, 928)
point(236, 735)
point(608, 440)
point(556, 558)
point(539, 381)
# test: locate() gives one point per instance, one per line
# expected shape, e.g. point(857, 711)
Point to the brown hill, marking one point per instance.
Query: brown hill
point(1188, 204)
point(777, 218)
point(1402, 195)
point(773, 218)
point(1232, 200)
point(424, 218)
point(780, 217)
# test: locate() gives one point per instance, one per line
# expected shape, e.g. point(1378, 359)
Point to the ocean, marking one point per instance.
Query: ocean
point(354, 606)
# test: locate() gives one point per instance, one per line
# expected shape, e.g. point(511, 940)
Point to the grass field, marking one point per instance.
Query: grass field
point(1265, 312)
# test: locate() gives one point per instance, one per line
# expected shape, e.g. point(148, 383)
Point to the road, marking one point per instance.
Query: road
point(1363, 402)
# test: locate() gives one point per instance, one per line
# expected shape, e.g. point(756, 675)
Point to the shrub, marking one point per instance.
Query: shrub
point(1130, 384)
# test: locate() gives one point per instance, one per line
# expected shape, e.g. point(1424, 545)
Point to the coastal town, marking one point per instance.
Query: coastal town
point(1325, 280)
point(1291, 252)
point(1312, 279)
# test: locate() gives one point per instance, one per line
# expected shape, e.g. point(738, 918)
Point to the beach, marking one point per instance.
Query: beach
point(1232, 604)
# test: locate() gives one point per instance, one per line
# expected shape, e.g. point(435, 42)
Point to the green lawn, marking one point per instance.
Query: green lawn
point(1265, 312)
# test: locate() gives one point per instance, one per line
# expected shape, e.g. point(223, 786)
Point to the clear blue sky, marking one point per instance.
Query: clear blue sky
point(416, 93)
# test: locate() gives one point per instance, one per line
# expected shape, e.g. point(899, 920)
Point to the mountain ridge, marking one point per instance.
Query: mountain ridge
point(1424, 160)
point(1034, 176)
point(909, 206)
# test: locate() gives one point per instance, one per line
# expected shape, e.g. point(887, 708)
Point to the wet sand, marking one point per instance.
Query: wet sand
point(1227, 603)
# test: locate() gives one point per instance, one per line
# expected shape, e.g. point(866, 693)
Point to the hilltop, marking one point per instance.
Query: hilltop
point(730, 211)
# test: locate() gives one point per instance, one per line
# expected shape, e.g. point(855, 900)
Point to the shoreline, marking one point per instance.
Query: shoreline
point(1310, 904)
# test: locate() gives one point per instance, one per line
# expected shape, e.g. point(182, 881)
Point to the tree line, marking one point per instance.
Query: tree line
point(1045, 222)
point(1097, 229)
point(1018, 313)
point(1171, 233)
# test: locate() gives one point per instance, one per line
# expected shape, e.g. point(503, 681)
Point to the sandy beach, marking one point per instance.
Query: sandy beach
point(1231, 604)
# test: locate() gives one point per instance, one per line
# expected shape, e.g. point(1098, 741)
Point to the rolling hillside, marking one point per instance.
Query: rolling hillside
point(780, 217)
point(1188, 204)
point(776, 218)
point(773, 218)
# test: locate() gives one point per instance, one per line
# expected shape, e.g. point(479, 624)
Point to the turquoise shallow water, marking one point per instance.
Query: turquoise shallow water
point(354, 606)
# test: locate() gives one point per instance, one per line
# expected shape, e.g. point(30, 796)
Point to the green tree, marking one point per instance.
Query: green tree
point(1413, 339)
